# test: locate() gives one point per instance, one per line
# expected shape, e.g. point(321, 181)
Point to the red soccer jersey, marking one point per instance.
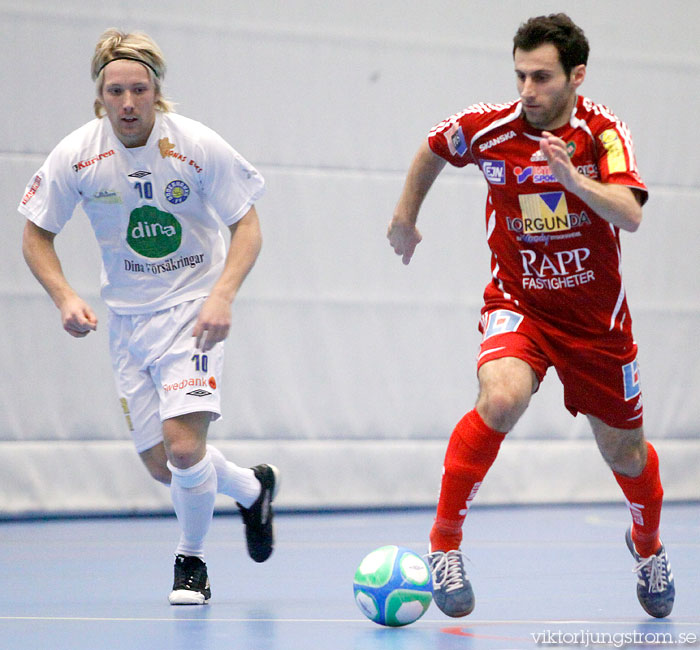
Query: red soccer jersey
point(552, 257)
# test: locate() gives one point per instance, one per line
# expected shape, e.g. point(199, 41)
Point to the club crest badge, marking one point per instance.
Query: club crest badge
point(177, 192)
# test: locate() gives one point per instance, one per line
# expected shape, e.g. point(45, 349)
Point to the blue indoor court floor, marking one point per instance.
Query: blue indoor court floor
point(546, 576)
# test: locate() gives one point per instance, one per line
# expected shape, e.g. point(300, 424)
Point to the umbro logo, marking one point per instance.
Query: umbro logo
point(140, 174)
point(199, 393)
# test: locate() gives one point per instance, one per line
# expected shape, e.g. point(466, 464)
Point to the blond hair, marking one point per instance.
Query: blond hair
point(136, 46)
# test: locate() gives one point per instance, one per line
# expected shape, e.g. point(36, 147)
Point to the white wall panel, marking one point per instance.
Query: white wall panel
point(337, 345)
point(71, 478)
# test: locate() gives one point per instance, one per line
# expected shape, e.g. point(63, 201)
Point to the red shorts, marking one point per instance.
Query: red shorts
point(600, 377)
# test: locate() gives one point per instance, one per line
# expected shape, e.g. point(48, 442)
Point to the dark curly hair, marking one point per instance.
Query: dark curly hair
point(560, 31)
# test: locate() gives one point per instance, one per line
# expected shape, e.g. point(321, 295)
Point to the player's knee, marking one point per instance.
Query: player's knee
point(625, 457)
point(501, 408)
point(625, 451)
point(184, 454)
point(505, 387)
point(185, 438)
point(183, 451)
point(155, 461)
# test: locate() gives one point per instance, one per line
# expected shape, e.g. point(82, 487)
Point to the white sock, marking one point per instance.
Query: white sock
point(237, 482)
point(193, 491)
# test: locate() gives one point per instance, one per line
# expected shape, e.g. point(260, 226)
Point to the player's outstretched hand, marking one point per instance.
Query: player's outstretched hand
point(77, 317)
point(403, 238)
point(213, 323)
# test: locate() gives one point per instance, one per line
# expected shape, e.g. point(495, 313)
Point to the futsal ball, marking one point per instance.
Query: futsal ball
point(393, 586)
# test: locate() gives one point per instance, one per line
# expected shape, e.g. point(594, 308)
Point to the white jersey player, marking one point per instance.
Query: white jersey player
point(153, 208)
point(156, 186)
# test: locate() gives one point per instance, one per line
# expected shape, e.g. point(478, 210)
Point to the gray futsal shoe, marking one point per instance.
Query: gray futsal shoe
point(191, 583)
point(452, 591)
point(258, 518)
point(656, 590)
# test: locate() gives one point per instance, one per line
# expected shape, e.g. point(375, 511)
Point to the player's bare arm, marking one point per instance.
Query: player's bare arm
point(618, 204)
point(402, 233)
point(39, 252)
point(214, 319)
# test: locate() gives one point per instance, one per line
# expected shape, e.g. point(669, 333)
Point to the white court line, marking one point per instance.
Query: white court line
point(177, 619)
point(421, 623)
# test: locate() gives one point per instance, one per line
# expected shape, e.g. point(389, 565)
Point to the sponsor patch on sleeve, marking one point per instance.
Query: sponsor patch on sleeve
point(616, 153)
point(32, 190)
point(455, 140)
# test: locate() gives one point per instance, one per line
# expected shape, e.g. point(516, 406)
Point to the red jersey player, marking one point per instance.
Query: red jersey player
point(562, 182)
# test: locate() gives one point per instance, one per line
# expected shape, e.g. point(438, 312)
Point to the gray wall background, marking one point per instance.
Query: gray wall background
point(344, 367)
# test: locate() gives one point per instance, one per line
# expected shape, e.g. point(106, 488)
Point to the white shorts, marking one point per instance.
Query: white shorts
point(159, 372)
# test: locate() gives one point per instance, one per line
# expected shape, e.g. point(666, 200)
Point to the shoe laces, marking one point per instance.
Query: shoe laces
point(448, 570)
point(190, 574)
point(655, 569)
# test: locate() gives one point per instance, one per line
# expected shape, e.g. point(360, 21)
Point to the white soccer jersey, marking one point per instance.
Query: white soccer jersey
point(153, 208)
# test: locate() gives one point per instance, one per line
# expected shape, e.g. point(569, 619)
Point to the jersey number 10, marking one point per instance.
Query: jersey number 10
point(201, 362)
point(145, 190)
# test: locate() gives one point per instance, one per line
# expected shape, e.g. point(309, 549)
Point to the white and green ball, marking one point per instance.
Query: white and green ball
point(393, 586)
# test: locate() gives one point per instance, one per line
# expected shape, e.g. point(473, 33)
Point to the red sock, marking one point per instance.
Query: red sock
point(644, 496)
point(472, 449)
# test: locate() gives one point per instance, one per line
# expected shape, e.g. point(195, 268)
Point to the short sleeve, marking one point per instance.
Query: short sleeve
point(616, 158)
point(51, 195)
point(231, 184)
point(447, 139)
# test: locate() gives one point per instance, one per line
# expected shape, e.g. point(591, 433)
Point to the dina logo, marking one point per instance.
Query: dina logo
point(153, 233)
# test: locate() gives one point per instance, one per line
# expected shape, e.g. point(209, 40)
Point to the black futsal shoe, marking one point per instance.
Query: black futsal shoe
point(258, 518)
point(191, 584)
